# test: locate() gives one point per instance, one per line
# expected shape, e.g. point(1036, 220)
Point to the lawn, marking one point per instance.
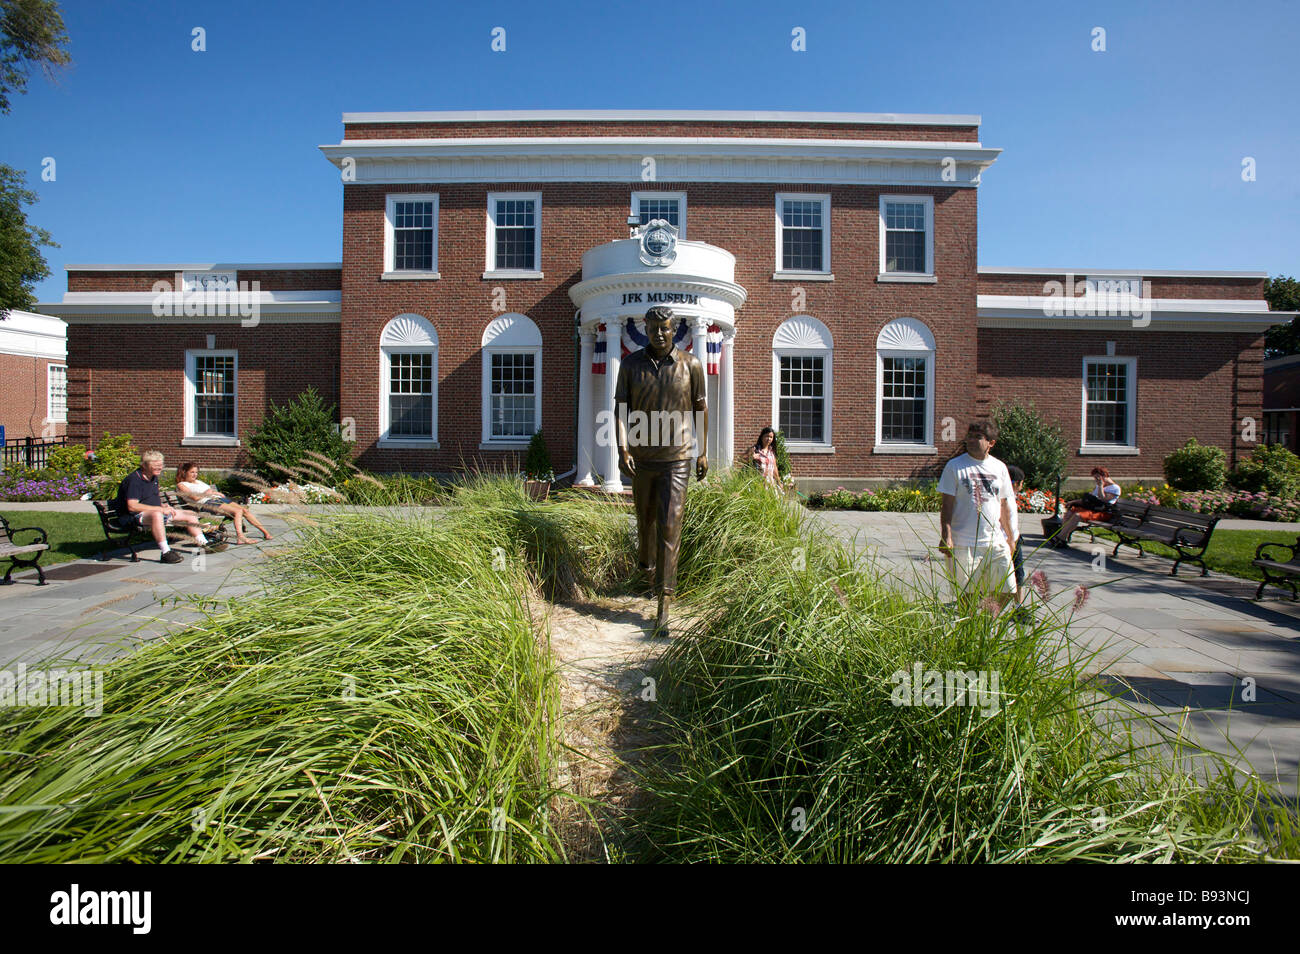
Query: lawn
point(1230, 551)
point(72, 536)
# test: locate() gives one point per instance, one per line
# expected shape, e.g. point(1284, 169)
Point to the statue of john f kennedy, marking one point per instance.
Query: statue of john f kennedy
point(662, 420)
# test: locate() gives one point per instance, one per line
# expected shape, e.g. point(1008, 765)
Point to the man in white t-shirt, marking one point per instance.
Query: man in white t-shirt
point(975, 518)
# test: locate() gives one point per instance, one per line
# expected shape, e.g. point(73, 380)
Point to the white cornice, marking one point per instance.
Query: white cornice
point(29, 335)
point(677, 159)
point(1165, 314)
point(659, 115)
point(134, 300)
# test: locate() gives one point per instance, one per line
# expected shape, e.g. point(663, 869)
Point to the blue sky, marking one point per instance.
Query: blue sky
point(1128, 158)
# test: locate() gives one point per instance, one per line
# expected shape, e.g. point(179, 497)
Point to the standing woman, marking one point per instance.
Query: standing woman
point(763, 454)
point(204, 494)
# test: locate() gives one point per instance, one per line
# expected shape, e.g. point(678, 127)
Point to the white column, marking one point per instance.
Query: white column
point(586, 412)
point(699, 348)
point(613, 359)
point(727, 413)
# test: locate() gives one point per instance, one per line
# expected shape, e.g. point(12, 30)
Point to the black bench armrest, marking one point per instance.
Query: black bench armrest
point(44, 536)
point(1293, 547)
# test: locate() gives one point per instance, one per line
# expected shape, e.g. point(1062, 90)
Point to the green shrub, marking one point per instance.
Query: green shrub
point(1196, 467)
point(69, 460)
point(302, 440)
point(114, 458)
point(1031, 442)
point(1271, 468)
point(782, 455)
point(537, 465)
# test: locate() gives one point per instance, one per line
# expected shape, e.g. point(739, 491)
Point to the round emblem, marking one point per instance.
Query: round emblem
point(658, 243)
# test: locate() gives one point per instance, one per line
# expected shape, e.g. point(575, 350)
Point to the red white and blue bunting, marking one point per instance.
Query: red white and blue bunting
point(634, 339)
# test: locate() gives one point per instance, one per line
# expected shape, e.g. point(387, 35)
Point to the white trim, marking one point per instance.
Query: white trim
point(29, 335)
point(191, 394)
point(213, 441)
point(49, 394)
point(805, 336)
point(660, 115)
point(825, 199)
point(905, 338)
point(512, 333)
point(678, 159)
point(780, 276)
point(1108, 450)
point(635, 207)
point(390, 246)
point(407, 333)
point(410, 276)
point(1130, 399)
point(928, 201)
point(916, 279)
point(490, 270)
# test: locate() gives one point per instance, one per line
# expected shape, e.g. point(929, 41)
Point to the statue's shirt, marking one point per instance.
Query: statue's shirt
point(659, 399)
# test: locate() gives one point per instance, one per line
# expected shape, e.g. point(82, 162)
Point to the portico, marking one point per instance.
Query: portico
point(620, 281)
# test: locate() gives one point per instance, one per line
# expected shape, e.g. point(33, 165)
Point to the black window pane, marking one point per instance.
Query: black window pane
point(413, 236)
point(801, 235)
point(514, 407)
point(516, 236)
point(214, 394)
point(1107, 406)
point(801, 406)
point(410, 395)
point(902, 408)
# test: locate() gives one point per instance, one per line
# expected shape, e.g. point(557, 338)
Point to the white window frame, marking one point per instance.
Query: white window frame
point(490, 269)
point(190, 438)
point(802, 343)
point(680, 198)
point(927, 276)
point(1130, 399)
point(919, 344)
point(390, 244)
point(50, 417)
point(820, 274)
point(515, 337)
point(416, 335)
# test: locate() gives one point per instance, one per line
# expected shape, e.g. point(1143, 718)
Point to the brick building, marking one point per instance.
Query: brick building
point(496, 265)
point(33, 376)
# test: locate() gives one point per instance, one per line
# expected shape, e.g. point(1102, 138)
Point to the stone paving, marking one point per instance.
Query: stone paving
point(1162, 643)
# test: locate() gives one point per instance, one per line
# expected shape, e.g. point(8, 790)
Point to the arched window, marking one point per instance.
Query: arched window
point(408, 382)
point(801, 384)
point(512, 381)
point(905, 388)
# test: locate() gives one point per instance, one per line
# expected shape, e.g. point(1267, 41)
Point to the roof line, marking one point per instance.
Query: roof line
point(1121, 272)
point(201, 266)
point(658, 115)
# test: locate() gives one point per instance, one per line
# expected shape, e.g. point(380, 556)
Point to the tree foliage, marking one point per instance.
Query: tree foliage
point(1031, 442)
point(21, 262)
point(1283, 294)
point(283, 444)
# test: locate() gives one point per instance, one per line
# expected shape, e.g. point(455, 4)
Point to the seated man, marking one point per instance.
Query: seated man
point(138, 502)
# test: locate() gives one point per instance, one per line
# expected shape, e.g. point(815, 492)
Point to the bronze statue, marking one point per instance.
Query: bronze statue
point(662, 410)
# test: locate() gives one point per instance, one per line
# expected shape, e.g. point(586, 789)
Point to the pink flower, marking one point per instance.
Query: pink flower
point(1038, 580)
point(1080, 597)
point(990, 605)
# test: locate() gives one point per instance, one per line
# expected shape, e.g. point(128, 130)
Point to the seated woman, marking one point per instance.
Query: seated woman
point(205, 495)
point(763, 454)
point(1094, 506)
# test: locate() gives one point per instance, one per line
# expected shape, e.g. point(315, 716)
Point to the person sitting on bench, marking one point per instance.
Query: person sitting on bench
point(1095, 507)
point(204, 495)
point(138, 502)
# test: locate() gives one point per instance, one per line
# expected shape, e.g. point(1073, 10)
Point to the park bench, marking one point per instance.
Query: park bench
point(1277, 571)
point(1127, 513)
point(11, 548)
point(1184, 532)
point(132, 534)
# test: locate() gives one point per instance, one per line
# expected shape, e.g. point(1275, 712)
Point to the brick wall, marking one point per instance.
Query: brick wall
point(578, 216)
point(739, 130)
point(1189, 384)
point(309, 279)
point(24, 396)
point(991, 283)
point(131, 377)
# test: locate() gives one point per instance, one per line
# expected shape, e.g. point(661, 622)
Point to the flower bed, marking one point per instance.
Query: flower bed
point(295, 493)
point(894, 499)
point(1232, 503)
point(38, 486)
